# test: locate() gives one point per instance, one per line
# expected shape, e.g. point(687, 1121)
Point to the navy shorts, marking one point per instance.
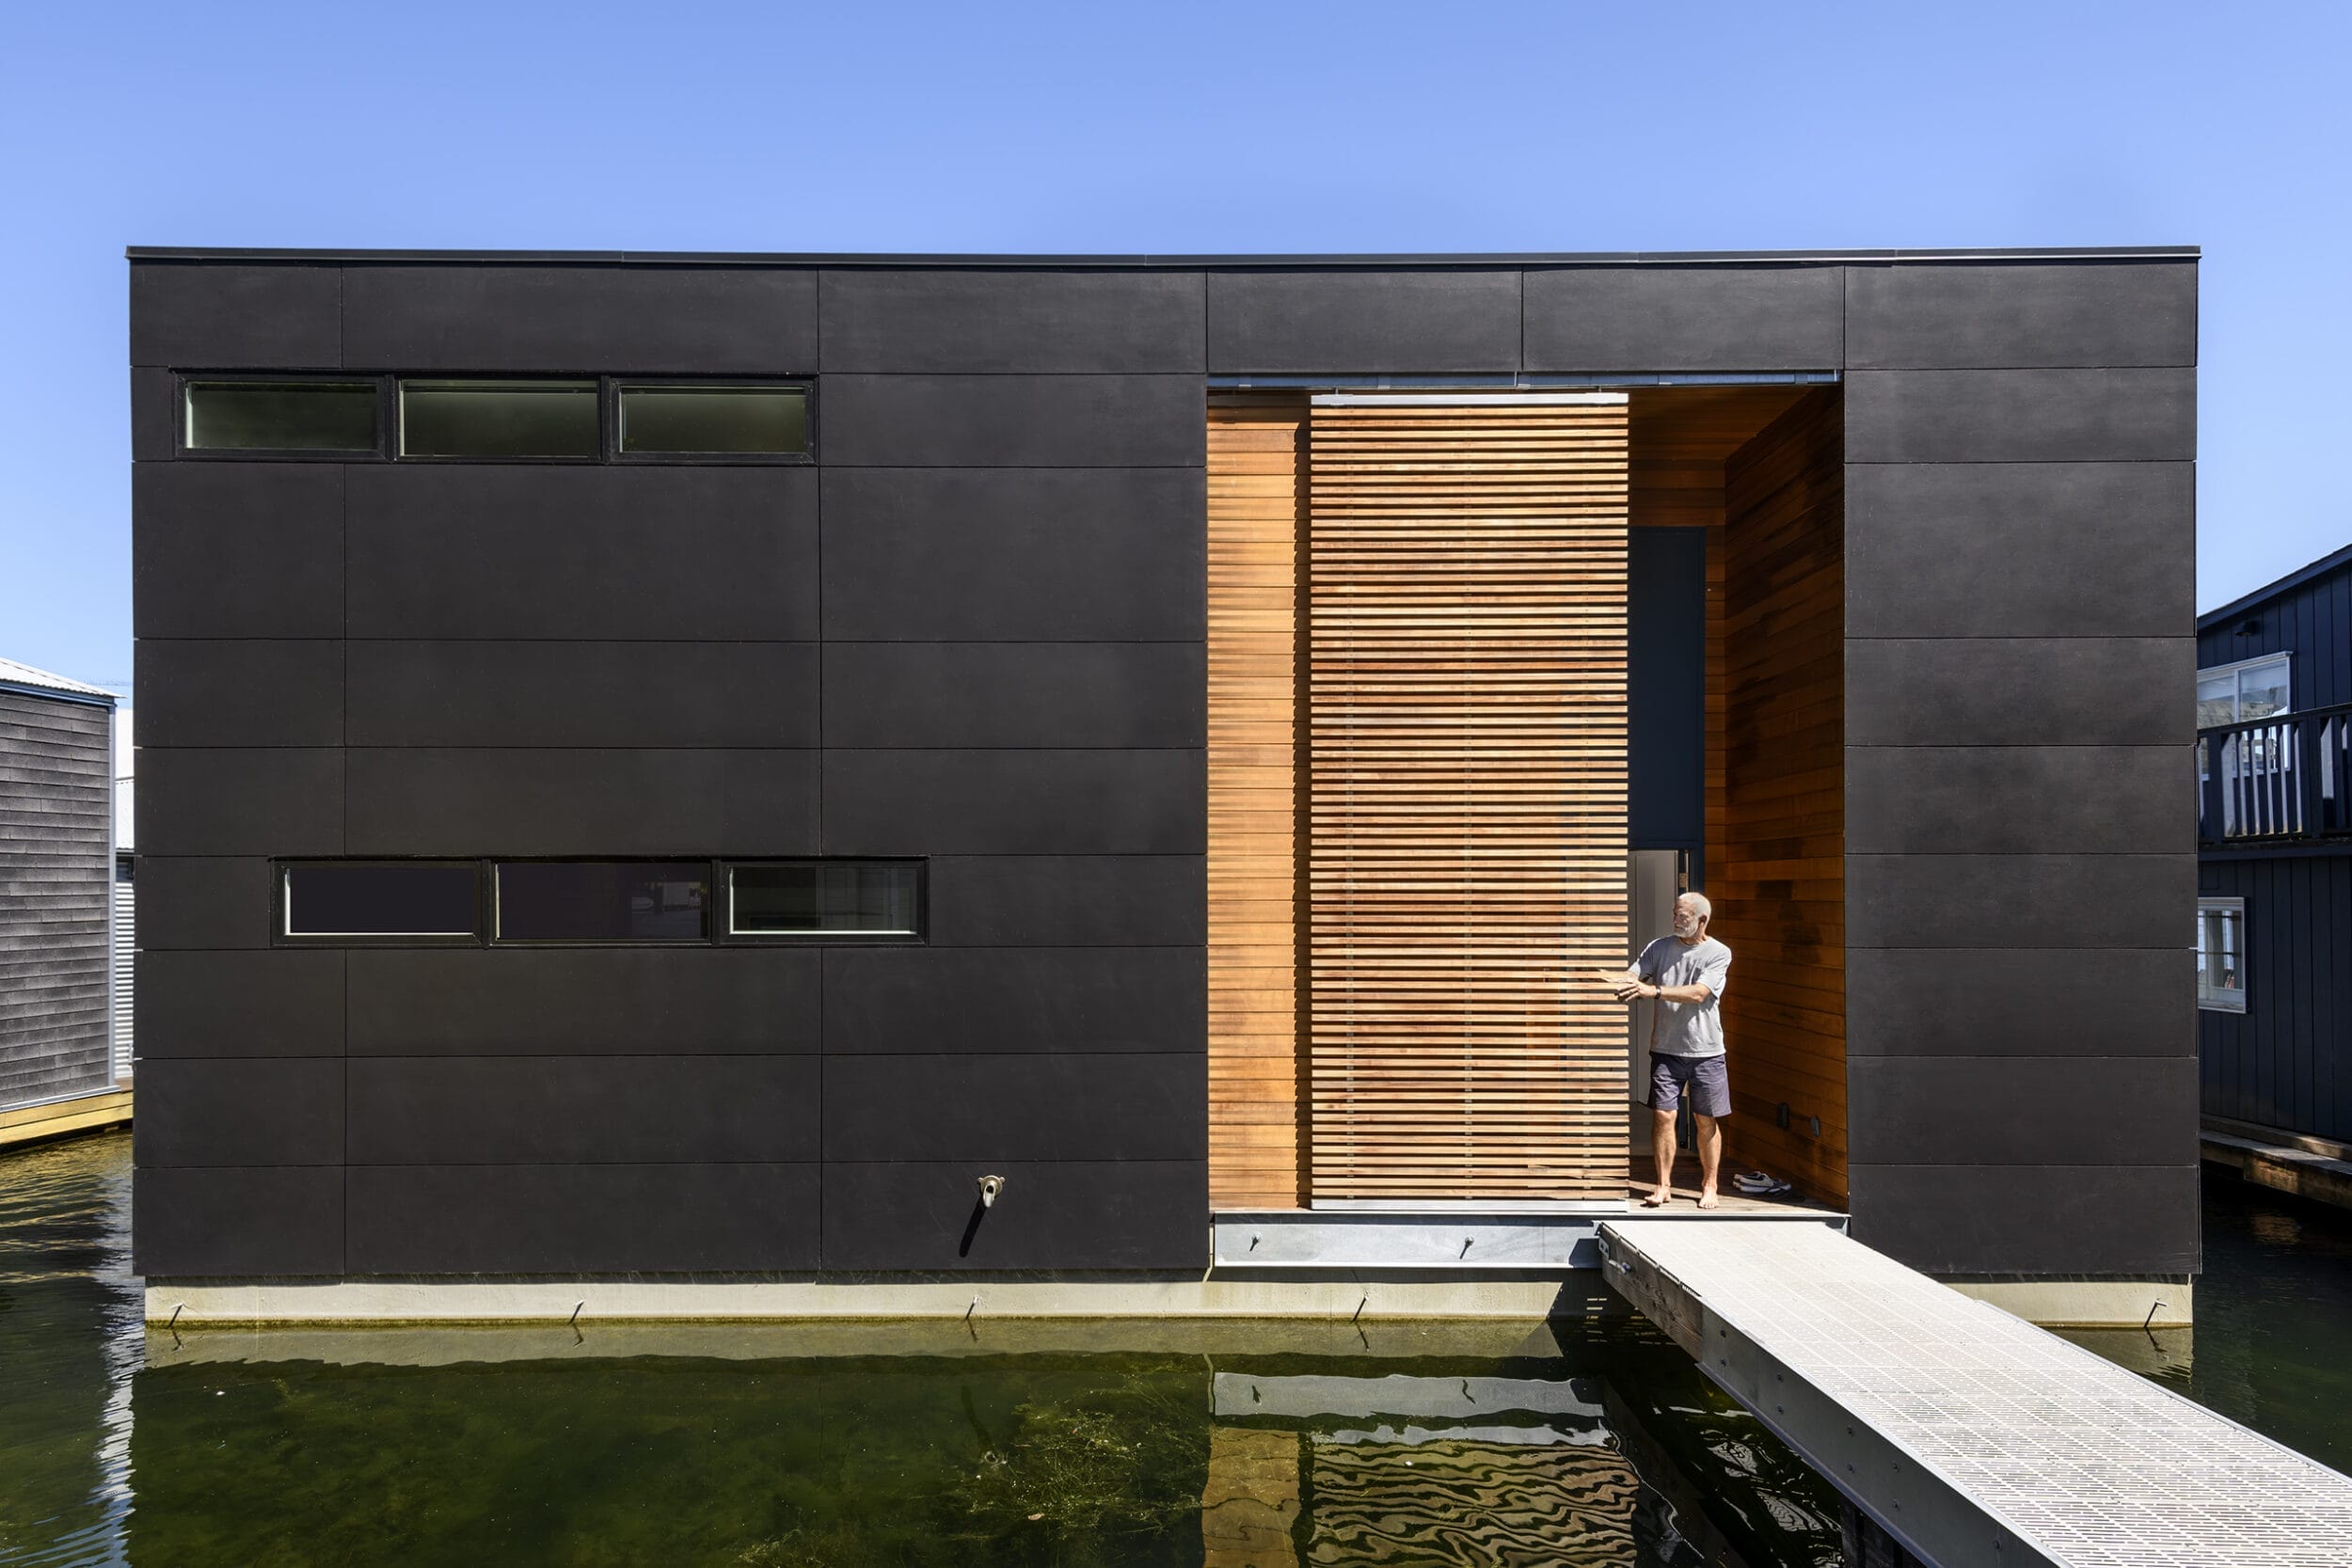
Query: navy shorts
point(1703, 1077)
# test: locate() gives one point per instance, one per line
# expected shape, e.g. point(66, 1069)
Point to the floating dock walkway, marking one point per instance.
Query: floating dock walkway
point(1970, 1437)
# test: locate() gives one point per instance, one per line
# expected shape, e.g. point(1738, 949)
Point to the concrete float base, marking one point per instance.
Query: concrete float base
point(2087, 1303)
point(190, 1304)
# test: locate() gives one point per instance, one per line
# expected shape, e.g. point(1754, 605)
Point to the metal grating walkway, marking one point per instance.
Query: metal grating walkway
point(1972, 1435)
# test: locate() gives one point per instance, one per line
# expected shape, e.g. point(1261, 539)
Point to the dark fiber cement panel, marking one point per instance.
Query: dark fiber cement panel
point(1025, 694)
point(1078, 1215)
point(724, 320)
point(2014, 314)
point(1001, 322)
point(607, 802)
point(2021, 1002)
point(2066, 901)
point(583, 1000)
point(2020, 692)
point(1014, 421)
point(1015, 555)
point(583, 1110)
point(2020, 550)
point(240, 1112)
point(212, 801)
point(1069, 901)
point(244, 1223)
point(1002, 1108)
point(2096, 416)
point(2018, 799)
point(1643, 319)
point(238, 549)
point(201, 901)
point(548, 693)
point(1303, 322)
point(2022, 1110)
point(611, 554)
point(153, 415)
point(582, 1219)
point(240, 694)
point(883, 1000)
point(218, 315)
point(2059, 1219)
point(265, 1001)
point(1008, 802)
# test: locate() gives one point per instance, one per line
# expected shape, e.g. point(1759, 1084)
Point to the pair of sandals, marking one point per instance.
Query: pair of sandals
point(1755, 1184)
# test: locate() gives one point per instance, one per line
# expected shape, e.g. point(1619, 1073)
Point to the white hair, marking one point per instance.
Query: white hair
point(1698, 901)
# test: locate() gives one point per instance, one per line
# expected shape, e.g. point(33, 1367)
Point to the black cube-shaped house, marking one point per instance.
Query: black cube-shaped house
point(683, 765)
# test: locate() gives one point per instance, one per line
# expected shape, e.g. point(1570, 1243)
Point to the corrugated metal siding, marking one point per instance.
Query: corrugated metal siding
point(126, 967)
point(2287, 1060)
point(56, 876)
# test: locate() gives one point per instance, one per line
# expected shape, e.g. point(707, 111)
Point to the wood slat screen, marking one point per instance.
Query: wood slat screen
point(1466, 801)
point(1256, 450)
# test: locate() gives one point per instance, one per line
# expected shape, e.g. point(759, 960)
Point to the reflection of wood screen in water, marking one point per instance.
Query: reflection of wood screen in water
point(1501, 1504)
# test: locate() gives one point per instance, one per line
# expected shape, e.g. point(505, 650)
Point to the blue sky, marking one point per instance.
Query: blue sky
point(1199, 127)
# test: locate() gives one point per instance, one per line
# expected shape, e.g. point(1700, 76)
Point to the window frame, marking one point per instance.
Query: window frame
point(2236, 672)
point(184, 381)
point(615, 385)
point(2211, 1000)
point(718, 927)
point(489, 892)
point(729, 937)
point(281, 937)
point(594, 385)
point(386, 448)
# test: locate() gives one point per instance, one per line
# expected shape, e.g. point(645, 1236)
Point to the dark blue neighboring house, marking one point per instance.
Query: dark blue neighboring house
point(2274, 885)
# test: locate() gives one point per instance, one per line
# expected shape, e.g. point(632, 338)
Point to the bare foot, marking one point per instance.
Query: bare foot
point(1707, 1199)
point(1659, 1199)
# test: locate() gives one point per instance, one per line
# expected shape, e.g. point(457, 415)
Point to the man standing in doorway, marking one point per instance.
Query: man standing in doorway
point(1684, 973)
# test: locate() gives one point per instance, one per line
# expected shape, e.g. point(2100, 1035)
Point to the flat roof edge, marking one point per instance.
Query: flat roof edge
point(921, 259)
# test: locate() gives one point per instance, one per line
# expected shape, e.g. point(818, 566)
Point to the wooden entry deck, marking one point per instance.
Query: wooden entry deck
point(1968, 1435)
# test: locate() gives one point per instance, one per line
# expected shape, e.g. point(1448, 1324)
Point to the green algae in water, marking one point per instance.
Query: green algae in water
point(530, 1448)
point(586, 1464)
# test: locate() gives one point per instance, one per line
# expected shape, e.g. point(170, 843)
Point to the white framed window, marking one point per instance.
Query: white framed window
point(2250, 689)
point(2221, 954)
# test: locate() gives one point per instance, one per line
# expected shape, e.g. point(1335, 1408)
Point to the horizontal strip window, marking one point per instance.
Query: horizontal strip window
point(463, 419)
point(500, 418)
point(687, 419)
point(323, 419)
point(380, 901)
point(826, 898)
point(634, 903)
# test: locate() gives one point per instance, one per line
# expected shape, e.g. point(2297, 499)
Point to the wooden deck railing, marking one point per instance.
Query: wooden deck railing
point(2282, 777)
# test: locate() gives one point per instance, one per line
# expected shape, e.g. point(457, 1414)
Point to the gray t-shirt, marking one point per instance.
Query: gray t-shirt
point(1686, 1028)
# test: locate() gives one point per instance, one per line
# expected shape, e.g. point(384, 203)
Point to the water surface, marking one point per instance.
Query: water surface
point(830, 1446)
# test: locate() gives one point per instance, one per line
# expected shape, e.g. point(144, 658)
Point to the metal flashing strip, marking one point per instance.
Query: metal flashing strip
point(1521, 380)
point(1467, 1240)
point(1428, 259)
point(1973, 1437)
point(1497, 399)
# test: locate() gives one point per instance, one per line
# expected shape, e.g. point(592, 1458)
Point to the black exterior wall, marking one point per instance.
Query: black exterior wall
point(974, 631)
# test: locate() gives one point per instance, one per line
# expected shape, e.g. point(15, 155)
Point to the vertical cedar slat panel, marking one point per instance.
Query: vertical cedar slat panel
point(1256, 453)
point(1777, 869)
point(1466, 801)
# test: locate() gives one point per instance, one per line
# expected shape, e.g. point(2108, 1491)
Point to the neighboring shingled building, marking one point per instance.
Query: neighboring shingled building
point(56, 881)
